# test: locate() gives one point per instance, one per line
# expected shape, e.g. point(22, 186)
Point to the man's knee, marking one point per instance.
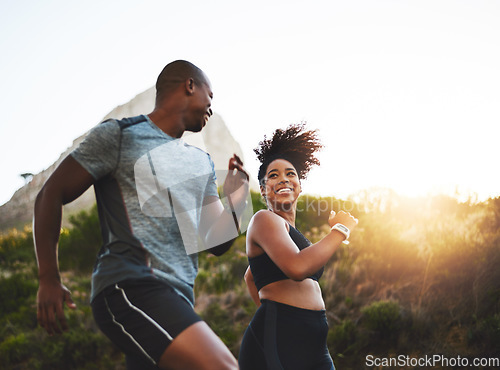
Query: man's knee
point(198, 347)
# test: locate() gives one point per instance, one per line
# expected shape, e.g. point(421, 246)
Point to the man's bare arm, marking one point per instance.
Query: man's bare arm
point(66, 184)
point(219, 227)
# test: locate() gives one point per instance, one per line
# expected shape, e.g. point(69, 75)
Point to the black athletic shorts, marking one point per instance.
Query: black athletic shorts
point(142, 317)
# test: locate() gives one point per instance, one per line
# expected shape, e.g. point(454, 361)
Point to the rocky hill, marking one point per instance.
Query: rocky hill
point(18, 211)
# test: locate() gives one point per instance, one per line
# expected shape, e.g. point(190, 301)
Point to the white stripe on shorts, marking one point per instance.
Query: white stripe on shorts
point(128, 334)
point(144, 314)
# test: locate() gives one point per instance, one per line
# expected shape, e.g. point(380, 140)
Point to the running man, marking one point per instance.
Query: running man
point(152, 190)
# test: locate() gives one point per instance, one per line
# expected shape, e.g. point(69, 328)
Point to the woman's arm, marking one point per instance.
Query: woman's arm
point(252, 289)
point(269, 232)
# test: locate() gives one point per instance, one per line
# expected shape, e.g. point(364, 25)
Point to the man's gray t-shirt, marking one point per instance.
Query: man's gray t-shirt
point(150, 189)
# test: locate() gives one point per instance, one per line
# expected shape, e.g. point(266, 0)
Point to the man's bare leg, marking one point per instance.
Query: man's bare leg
point(197, 348)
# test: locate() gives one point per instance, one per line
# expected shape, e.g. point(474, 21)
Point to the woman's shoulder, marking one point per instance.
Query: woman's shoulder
point(268, 219)
point(265, 215)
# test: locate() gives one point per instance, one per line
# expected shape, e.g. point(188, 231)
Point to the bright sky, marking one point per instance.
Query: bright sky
point(405, 93)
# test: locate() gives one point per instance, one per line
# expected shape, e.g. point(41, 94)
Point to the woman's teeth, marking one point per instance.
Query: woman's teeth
point(284, 190)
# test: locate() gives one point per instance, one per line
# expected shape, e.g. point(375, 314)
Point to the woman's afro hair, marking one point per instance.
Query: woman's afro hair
point(294, 144)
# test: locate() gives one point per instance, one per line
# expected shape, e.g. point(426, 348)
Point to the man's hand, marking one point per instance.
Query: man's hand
point(236, 184)
point(50, 300)
point(220, 227)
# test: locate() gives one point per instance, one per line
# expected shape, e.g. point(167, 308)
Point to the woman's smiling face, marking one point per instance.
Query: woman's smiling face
point(281, 184)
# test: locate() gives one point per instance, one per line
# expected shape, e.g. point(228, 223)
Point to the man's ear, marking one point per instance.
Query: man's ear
point(190, 86)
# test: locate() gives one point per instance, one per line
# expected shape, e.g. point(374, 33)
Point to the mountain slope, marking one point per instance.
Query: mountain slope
point(18, 211)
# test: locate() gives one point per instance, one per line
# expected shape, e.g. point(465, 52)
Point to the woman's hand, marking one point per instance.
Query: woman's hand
point(344, 218)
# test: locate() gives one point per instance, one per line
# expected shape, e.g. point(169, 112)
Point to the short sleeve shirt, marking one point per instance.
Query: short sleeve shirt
point(149, 189)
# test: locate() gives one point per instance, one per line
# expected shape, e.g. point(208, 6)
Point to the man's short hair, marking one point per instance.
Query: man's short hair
point(175, 73)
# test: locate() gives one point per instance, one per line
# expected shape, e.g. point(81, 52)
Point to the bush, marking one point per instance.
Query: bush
point(75, 349)
point(224, 273)
point(382, 317)
point(16, 249)
point(342, 337)
point(486, 335)
point(78, 246)
point(16, 291)
point(222, 323)
point(14, 349)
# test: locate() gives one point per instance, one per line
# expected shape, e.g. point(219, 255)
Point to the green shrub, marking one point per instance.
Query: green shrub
point(221, 322)
point(382, 317)
point(224, 273)
point(74, 349)
point(342, 337)
point(22, 319)
point(14, 349)
point(79, 245)
point(16, 291)
point(485, 334)
point(16, 249)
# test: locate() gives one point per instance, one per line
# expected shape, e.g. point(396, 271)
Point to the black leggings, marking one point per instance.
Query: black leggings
point(283, 337)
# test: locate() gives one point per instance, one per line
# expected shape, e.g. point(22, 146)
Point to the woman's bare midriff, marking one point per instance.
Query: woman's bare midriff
point(303, 294)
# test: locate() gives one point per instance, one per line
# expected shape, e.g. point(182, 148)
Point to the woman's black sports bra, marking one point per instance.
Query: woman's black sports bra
point(265, 271)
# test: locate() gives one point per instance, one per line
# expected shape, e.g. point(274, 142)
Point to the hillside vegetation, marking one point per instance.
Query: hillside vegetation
point(420, 277)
